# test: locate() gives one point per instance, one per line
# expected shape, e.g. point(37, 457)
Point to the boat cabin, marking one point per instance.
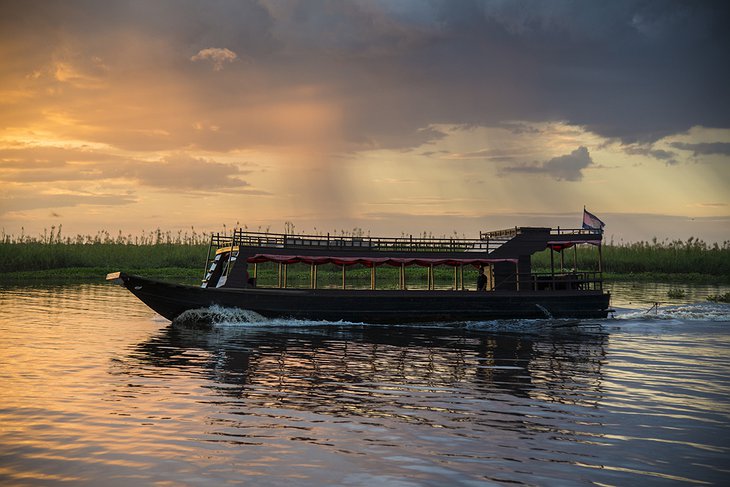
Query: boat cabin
point(506, 256)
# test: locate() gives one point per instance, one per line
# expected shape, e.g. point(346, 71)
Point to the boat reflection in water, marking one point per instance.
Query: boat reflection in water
point(383, 371)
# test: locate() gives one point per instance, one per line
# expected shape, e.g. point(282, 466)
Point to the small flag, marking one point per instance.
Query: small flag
point(591, 221)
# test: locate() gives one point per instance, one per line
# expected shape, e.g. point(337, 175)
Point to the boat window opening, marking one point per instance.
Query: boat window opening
point(361, 277)
point(265, 273)
point(298, 276)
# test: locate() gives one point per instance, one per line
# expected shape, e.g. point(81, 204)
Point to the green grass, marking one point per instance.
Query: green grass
point(109, 256)
point(676, 293)
point(656, 259)
point(719, 298)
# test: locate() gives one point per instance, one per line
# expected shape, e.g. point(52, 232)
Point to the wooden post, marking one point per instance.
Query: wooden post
point(343, 277)
point(278, 276)
point(575, 257)
point(600, 259)
point(372, 277)
point(562, 260)
point(456, 279)
point(552, 270)
point(255, 270)
point(430, 277)
point(461, 272)
point(313, 276)
point(286, 266)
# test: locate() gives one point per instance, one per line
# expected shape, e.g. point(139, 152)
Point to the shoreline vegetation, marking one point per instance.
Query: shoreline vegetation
point(181, 257)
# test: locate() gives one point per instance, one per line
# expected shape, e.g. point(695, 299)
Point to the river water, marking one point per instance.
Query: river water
point(97, 390)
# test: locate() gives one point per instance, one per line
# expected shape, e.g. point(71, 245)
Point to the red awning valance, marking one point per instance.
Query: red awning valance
point(559, 245)
point(369, 261)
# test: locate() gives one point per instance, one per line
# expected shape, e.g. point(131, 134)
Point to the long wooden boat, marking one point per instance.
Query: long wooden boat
point(512, 289)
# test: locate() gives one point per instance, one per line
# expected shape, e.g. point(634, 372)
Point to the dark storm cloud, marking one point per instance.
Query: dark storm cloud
point(562, 168)
point(632, 70)
point(704, 148)
point(663, 155)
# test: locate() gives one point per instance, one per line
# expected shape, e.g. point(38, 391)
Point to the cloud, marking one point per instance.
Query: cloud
point(498, 155)
point(562, 168)
point(704, 148)
point(382, 72)
point(180, 172)
point(36, 201)
point(218, 56)
point(183, 172)
point(663, 155)
point(712, 205)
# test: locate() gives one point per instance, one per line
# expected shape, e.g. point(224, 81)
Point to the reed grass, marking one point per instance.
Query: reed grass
point(719, 298)
point(692, 256)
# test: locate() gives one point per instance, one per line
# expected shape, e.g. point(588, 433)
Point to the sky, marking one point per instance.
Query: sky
point(395, 117)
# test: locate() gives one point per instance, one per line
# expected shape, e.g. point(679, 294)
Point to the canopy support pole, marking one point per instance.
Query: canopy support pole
point(552, 270)
point(461, 274)
point(402, 276)
point(372, 277)
point(286, 266)
point(278, 276)
point(343, 276)
point(456, 278)
point(517, 275)
point(600, 259)
point(575, 258)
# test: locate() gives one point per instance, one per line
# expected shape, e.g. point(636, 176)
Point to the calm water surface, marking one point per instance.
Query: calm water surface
point(96, 390)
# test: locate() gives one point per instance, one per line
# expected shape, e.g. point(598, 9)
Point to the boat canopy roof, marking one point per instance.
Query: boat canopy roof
point(370, 261)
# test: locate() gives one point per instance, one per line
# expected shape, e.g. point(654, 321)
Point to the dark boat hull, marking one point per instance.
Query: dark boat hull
point(367, 306)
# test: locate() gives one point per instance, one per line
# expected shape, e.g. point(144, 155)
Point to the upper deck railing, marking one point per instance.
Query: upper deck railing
point(509, 233)
point(408, 243)
point(487, 241)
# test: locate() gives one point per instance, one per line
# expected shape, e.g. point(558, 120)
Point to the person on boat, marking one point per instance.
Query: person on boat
point(481, 280)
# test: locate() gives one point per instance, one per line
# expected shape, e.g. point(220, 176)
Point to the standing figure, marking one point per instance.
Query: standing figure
point(481, 280)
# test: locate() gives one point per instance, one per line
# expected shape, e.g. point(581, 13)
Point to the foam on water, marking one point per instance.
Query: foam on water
point(685, 312)
point(215, 315)
point(219, 316)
